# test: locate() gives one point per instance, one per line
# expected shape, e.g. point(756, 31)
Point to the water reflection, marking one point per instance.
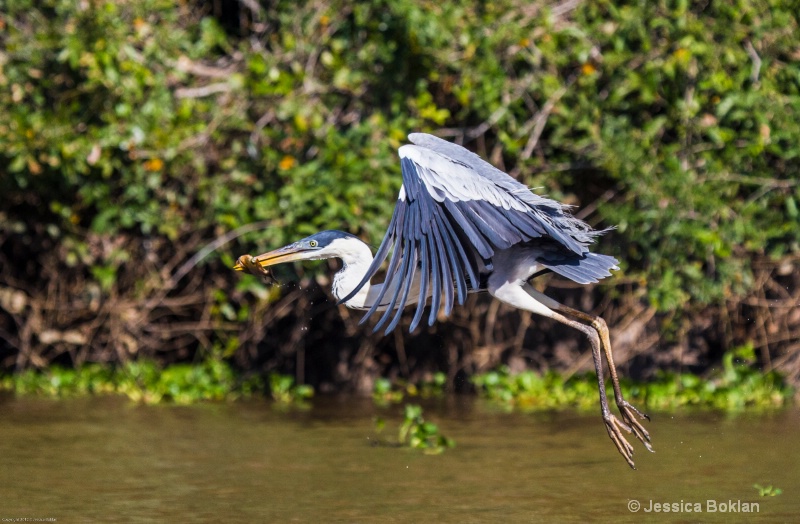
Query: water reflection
point(109, 460)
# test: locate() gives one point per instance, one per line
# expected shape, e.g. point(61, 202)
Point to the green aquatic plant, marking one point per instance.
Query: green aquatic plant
point(433, 386)
point(417, 433)
point(532, 391)
point(738, 385)
point(385, 391)
point(284, 390)
point(141, 381)
point(767, 491)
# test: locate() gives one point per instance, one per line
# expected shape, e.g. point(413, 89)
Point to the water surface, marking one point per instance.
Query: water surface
point(108, 460)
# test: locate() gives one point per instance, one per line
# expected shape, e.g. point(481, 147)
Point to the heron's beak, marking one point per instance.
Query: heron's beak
point(285, 254)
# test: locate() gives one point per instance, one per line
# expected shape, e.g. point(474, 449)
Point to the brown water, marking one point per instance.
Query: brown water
point(107, 460)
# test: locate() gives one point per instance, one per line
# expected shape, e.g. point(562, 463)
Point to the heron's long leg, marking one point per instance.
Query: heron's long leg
point(613, 424)
point(626, 408)
point(599, 325)
point(526, 298)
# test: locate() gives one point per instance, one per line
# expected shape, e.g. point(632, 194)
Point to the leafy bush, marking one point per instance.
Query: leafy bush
point(736, 387)
point(136, 133)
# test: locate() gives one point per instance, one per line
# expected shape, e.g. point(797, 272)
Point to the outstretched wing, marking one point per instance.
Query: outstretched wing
point(454, 210)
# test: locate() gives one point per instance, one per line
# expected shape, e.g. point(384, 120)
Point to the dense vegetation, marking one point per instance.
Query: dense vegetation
point(146, 144)
point(735, 387)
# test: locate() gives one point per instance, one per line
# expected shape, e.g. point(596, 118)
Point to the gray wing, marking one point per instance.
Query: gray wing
point(453, 212)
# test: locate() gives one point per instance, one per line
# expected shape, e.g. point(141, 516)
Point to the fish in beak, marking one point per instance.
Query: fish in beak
point(258, 265)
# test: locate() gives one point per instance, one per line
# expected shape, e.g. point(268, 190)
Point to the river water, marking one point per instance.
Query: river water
point(108, 460)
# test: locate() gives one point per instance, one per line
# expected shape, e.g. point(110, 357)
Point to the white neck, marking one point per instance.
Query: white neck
point(356, 257)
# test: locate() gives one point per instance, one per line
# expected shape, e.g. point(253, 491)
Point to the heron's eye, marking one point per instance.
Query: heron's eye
point(312, 243)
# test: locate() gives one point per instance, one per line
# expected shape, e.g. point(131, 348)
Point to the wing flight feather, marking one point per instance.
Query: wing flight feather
point(453, 212)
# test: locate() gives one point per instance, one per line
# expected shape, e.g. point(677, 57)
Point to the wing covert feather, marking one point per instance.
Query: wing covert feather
point(453, 212)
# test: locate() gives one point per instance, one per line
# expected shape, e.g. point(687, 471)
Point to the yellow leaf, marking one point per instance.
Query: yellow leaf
point(154, 164)
point(681, 54)
point(286, 162)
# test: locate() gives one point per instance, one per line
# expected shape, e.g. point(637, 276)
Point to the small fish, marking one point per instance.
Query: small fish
point(250, 264)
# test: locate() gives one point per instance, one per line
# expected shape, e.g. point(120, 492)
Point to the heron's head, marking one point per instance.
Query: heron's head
point(325, 244)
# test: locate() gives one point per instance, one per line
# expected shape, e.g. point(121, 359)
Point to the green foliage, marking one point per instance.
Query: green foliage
point(767, 491)
point(141, 381)
point(128, 125)
point(416, 433)
point(91, 124)
point(284, 391)
point(738, 386)
point(531, 391)
point(662, 100)
point(697, 125)
point(385, 391)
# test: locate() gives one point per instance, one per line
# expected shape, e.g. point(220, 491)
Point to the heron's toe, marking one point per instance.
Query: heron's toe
point(614, 426)
point(628, 415)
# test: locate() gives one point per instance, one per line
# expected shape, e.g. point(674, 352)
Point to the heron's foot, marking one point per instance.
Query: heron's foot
point(629, 414)
point(614, 426)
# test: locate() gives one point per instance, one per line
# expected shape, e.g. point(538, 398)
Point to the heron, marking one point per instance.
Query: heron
point(462, 226)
